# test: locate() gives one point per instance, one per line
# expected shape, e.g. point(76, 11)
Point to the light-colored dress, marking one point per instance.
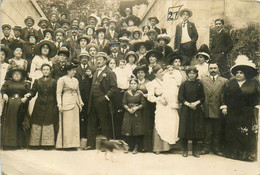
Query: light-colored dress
point(166, 122)
point(68, 97)
point(202, 70)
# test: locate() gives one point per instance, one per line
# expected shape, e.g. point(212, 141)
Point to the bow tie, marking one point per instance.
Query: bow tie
point(184, 23)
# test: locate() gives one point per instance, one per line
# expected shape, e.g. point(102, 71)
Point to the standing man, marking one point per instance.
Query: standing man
point(153, 22)
point(213, 85)
point(29, 22)
point(53, 17)
point(186, 37)
point(104, 87)
point(220, 47)
point(43, 23)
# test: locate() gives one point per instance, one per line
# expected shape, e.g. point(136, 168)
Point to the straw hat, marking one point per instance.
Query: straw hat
point(165, 37)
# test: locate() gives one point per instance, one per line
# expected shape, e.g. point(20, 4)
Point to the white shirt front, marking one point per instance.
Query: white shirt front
point(101, 70)
point(185, 35)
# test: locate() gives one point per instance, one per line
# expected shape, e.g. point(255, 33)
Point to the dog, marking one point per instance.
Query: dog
point(109, 146)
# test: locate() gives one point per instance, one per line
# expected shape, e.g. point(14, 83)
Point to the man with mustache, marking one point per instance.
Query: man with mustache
point(29, 22)
point(43, 23)
point(213, 85)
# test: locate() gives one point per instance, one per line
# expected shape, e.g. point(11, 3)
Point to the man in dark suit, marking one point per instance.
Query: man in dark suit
point(114, 50)
point(111, 33)
point(29, 22)
point(84, 76)
point(186, 37)
point(7, 39)
point(104, 87)
point(43, 23)
point(221, 45)
point(53, 17)
point(153, 22)
point(213, 85)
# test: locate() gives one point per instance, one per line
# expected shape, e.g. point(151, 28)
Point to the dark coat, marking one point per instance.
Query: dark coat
point(40, 35)
point(58, 71)
point(156, 29)
point(108, 82)
point(6, 42)
point(29, 51)
point(119, 57)
point(192, 33)
point(109, 37)
point(45, 111)
point(221, 42)
point(57, 25)
point(25, 32)
point(168, 50)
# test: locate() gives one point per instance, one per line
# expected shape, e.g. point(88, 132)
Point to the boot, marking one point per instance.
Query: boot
point(195, 152)
point(135, 151)
point(185, 148)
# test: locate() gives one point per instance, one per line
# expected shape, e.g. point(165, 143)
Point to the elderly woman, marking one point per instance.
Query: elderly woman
point(148, 110)
point(15, 109)
point(240, 98)
point(45, 113)
point(69, 104)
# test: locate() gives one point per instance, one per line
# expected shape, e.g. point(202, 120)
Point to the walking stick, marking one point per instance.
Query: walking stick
point(112, 117)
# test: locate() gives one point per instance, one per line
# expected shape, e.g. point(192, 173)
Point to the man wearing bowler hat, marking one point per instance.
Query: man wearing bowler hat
point(186, 36)
point(104, 87)
point(29, 22)
point(7, 39)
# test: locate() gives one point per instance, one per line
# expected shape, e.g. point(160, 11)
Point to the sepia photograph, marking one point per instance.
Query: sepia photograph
point(130, 87)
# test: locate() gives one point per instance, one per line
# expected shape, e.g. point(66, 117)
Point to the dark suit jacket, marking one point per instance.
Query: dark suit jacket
point(156, 29)
point(178, 34)
point(57, 72)
point(108, 82)
point(40, 35)
point(168, 50)
point(57, 25)
point(109, 37)
point(221, 42)
point(25, 32)
point(6, 42)
point(213, 95)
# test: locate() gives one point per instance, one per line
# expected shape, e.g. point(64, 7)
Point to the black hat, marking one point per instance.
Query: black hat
point(6, 50)
point(48, 30)
point(65, 21)
point(121, 32)
point(100, 29)
point(134, 18)
point(14, 69)
point(32, 33)
point(15, 45)
point(71, 65)
point(64, 50)
point(173, 56)
point(141, 67)
point(156, 53)
point(86, 37)
point(29, 17)
point(148, 45)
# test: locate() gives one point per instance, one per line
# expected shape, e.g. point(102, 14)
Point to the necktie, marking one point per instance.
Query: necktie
point(213, 79)
point(184, 23)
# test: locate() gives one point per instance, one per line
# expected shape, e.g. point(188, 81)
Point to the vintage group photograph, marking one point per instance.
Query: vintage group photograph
point(130, 87)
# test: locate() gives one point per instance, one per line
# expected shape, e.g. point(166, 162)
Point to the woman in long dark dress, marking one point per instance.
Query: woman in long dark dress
point(132, 126)
point(15, 109)
point(45, 112)
point(148, 110)
point(240, 98)
point(191, 96)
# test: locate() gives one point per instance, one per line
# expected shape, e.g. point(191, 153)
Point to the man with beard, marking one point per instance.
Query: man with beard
point(7, 39)
point(220, 47)
point(43, 23)
point(213, 85)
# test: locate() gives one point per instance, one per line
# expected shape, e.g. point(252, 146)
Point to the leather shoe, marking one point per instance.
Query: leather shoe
point(218, 153)
point(196, 154)
point(89, 148)
point(185, 154)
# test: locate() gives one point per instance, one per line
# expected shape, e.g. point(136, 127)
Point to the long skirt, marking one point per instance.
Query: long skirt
point(69, 131)
point(42, 135)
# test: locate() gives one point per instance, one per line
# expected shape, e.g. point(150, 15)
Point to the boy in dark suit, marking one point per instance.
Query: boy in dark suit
point(186, 37)
point(220, 47)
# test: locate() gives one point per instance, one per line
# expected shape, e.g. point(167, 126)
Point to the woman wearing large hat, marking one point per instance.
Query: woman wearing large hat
point(152, 56)
point(132, 20)
point(141, 48)
point(82, 41)
point(70, 104)
point(18, 54)
point(48, 34)
point(240, 99)
point(163, 47)
point(15, 109)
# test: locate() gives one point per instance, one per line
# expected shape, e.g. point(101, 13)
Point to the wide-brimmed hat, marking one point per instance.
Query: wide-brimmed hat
point(7, 51)
point(154, 17)
point(121, 32)
point(86, 37)
point(131, 53)
point(204, 54)
point(104, 17)
point(15, 45)
point(70, 65)
point(156, 53)
point(17, 28)
point(137, 30)
point(14, 69)
point(32, 33)
point(93, 16)
point(42, 19)
point(64, 50)
point(101, 29)
point(6, 25)
point(52, 47)
point(173, 56)
point(185, 10)
point(29, 17)
point(134, 18)
point(244, 64)
point(112, 20)
point(141, 67)
point(92, 45)
point(152, 31)
point(113, 42)
point(48, 30)
point(165, 37)
point(102, 54)
point(148, 45)
point(124, 38)
point(59, 30)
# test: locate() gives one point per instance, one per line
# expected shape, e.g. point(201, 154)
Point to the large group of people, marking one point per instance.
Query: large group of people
point(67, 83)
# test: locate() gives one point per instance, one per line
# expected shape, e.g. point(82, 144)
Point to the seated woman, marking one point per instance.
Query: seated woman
point(14, 119)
